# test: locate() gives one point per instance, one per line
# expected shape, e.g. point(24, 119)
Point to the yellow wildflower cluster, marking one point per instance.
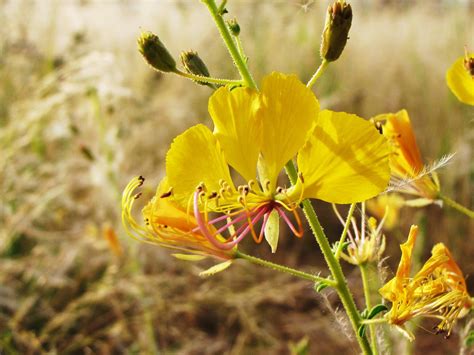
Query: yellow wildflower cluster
point(436, 291)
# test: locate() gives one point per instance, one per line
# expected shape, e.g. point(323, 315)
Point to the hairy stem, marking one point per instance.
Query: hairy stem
point(239, 62)
point(285, 269)
point(207, 79)
point(333, 264)
point(364, 272)
point(457, 206)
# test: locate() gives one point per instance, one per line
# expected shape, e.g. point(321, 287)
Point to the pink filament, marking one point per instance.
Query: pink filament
point(288, 222)
point(203, 226)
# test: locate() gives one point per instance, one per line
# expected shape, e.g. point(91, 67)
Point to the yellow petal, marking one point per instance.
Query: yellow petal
point(287, 112)
point(406, 158)
point(233, 113)
point(395, 286)
point(460, 82)
point(195, 157)
point(345, 160)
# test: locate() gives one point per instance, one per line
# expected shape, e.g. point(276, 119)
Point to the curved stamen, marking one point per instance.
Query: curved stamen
point(203, 226)
point(299, 233)
point(262, 229)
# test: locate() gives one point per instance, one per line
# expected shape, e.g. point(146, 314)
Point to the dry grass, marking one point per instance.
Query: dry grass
point(80, 114)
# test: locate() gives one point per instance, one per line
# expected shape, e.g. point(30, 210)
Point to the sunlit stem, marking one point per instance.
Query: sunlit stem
point(224, 31)
point(285, 269)
point(333, 264)
point(374, 321)
point(368, 303)
point(322, 67)
point(240, 48)
point(344, 231)
point(208, 80)
point(457, 206)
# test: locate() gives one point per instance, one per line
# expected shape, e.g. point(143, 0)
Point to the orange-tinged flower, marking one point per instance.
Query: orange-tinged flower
point(168, 225)
point(437, 291)
point(409, 174)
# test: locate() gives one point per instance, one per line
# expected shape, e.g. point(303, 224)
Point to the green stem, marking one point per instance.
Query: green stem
point(333, 264)
point(239, 62)
point(206, 79)
point(285, 269)
point(374, 321)
point(344, 231)
point(322, 67)
point(457, 206)
point(368, 303)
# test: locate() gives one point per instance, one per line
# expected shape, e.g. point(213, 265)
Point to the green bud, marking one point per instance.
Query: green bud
point(233, 27)
point(193, 64)
point(155, 52)
point(336, 30)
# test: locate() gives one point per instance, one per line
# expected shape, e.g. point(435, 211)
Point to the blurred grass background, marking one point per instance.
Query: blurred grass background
point(81, 114)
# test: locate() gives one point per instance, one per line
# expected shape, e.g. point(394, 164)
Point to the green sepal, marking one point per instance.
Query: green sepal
point(376, 310)
point(215, 269)
point(272, 230)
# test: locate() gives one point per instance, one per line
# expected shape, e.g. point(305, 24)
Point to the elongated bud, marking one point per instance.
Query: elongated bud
point(233, 27)
point(193, 64)
point(336, 30)
point(155, 52)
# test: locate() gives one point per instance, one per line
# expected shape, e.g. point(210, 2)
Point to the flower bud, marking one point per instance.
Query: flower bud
point(234, 27)
point(193, 64)
point(336, 30)
point(155, 52)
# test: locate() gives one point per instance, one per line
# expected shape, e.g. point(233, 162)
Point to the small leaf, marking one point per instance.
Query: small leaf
point(300, 348)
point(376, 310)
point(189, 257)
point(215, 269)
point(364, 313)
point(319, 286)
point(470, 339)
point(272, 230)
point(361, 330)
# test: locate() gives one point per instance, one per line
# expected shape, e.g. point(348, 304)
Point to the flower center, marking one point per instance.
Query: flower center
point(239, 212)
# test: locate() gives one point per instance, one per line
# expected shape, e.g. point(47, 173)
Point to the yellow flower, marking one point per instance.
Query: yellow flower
point(409, 174)
point(168, 225)
point(437, 291)
point(460, 78)
point(367, 243)
point(341, 158)
point(386, 206)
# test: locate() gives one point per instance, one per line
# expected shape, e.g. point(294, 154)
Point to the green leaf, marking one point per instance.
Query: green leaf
point(300, 348)
point(376, 310)
point(215, 269)
point(470, 339)
point(361, 330)
point(318, 287)
point(272, 230)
